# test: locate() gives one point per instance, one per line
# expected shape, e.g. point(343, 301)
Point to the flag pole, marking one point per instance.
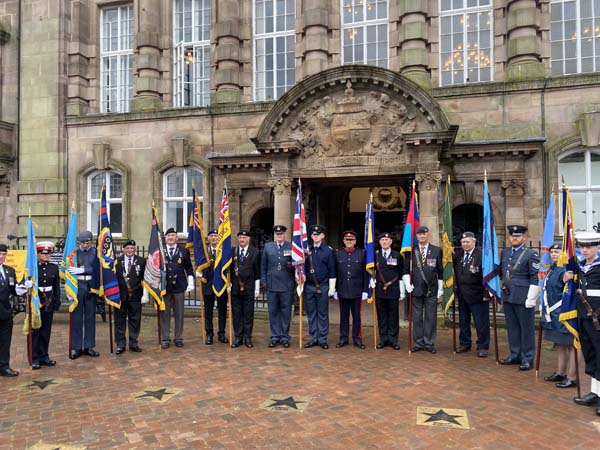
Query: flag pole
point(202, 327)
point(300, 299)
point(577, 371)
point(410, 302)
point(229, 309)
point(70, 334)
point(110, 326)
point(454, 323)
point(29, 329)
point(375, 326)
point(493, 300)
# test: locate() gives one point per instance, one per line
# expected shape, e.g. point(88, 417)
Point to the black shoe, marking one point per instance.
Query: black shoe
point(178, 344)
point(91, 352)
point(8, 373)
point(509, 361)
point(555, 377)
point(359, 344)
point(566, 383)
point(236, 343)
point(35, 366)
point(324, 346)
point(483, 353)
point(135, 348)
point(431, 349)
point(75, 354)
point(48, 362)
point(341, 344)
point(310, 344)
point(416, 349)
point(272, 344)
point(209, 340)
point(223, 340)
point(590, 399)
point(164, 345)
point(379, 346)
point(463, 349)
point(525, 366)
point(249, 343)
point(119, 350)
point(598, 411)
point(396, 347)
point(286, 344)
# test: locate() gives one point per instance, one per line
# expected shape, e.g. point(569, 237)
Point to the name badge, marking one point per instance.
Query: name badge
point(287, 253)
point(392, 262)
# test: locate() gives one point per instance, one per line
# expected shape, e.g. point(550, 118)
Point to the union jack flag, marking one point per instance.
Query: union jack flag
point(299, 239)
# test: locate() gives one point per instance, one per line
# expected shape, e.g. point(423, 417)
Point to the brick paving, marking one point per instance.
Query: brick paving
point(363, 399)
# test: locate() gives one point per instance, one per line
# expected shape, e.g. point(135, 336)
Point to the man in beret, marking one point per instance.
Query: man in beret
point(471, 296)
point(319, 286)
point(180, 280)
point(7, 288)
point(130, 273)
point(350, 288)
point(388, 292)
point(209, 295)
point(519, 268)
point(428, 286)
point(245, 288)
point(84, 316)
point(49, 295)
point(277, 277)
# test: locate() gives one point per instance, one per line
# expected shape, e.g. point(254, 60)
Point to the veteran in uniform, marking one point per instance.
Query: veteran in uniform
point(588, 313)
point(319, 286)
point(245, 287)
point(519, 268)
point(84, 315)
point(389, 289)
point(277, 277)
point(427, 276)
point(350, 288)
point(180, 280)
point(49, 295)
point(471, 296)
point(130, 273)
point(7, 288)
point(209, 295)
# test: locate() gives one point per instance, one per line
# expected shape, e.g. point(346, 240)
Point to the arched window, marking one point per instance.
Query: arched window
point(580, 169)
point(365, 32)
point(177, 196)
point(113, 183)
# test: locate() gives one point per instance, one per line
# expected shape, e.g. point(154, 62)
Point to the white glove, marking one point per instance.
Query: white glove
point(372, 283)
point(256, 288)
point(198, 274)
point(532, 296)
point(28, 284)
point(402, 290)
point(190, 286)
point(331, 286)
point(364, 296)
point(335, 296)
point(145, 298)
point(76, 270)
point(407, 284)
point(440, 292)
point(20, 289)
point(229, 288)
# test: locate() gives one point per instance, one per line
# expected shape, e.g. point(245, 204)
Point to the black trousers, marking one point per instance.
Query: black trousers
point(128, 316)
point(243, 314)
point(481, 316)
point(387, 320)
point(40, 338)
point(590, 347)
point(209, 307)
point(350, 306)
point(6, 327)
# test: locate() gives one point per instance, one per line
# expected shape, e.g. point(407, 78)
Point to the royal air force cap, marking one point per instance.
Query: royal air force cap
point(516, 230)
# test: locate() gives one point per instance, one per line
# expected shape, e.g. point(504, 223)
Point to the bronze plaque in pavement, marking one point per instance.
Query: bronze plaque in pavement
point(42, 384)
point(285, 403)
point(442, 417)
point(46, 446)
point(156, 394)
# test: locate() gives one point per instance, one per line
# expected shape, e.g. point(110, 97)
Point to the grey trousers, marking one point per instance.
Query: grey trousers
point(424, 317)
point(174, 301)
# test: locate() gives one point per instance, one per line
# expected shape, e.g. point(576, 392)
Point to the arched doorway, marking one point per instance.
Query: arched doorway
point(467, 217)
point(261, 227)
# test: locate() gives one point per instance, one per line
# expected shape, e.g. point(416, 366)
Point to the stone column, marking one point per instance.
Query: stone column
point(282, 195)
point(428, 186)
point(524, 43)
point(228, 64)
point(147, 58)
point(315, 37)
point(413, 31)
point(78, 60)
point(514, 207)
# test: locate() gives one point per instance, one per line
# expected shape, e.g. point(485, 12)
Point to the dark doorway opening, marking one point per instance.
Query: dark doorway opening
point(261, 227)
point(467, 217)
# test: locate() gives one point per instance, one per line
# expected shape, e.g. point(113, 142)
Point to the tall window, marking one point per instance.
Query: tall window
point(581, 171)
point(575, 36)
point(466, 52)
point(274, 48)
point(116, 55)
point(177, 196)
point(365, 32)
point(191, 74)
point(113, 183)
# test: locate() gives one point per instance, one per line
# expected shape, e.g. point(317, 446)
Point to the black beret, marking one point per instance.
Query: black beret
point(422, 229)
point(467, 234)
point(243, 233)
point(129, 242)
point(385, 234)
point(170, 231)
point(3, 248)
point(279, 229)
point(516, 230)
point(213, 232)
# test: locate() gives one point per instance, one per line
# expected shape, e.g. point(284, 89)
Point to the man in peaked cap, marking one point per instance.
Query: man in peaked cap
point(209, 295)
point(277, 276)
point(49, 295)
point(519, 268)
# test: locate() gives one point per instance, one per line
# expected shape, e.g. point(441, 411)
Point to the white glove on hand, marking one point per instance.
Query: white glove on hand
point(532, 296)
point(20, 290)
point(364, 296)
point(440, 291)
point(402, 290)
point(372, 283)
point(190, 286)
point(331, 286)
point(198, 274)
point(28, 284)
point(335, 296)
point(407, 284)
point(256, 288)
point(76, 270)
point(145, 298)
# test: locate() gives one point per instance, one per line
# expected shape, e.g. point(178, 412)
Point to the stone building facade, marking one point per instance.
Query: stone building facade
point(148, 95)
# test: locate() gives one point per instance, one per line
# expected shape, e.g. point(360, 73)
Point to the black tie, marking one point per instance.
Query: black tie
point(2, 279)
point(466, 258)
point(128, 266)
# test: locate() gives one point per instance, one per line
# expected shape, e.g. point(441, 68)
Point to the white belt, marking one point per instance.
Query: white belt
point(593, 292)
point(84, 277)
point(45, 288)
